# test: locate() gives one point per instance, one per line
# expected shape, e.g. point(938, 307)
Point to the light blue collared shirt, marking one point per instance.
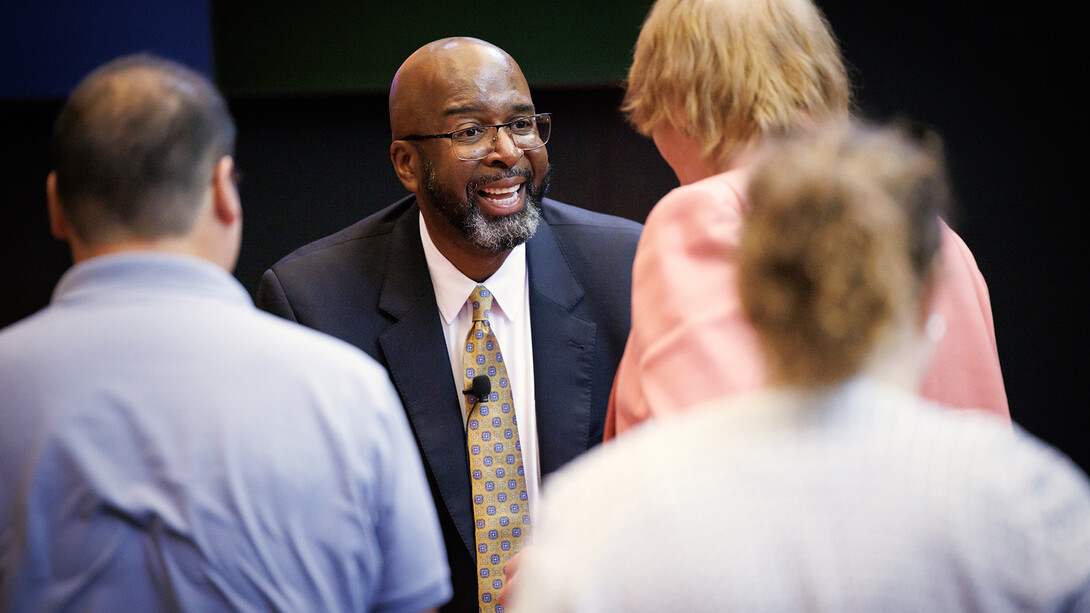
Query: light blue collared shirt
point(164, 446)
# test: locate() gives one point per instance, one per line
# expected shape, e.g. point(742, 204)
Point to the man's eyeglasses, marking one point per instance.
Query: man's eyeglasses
point(477, 142)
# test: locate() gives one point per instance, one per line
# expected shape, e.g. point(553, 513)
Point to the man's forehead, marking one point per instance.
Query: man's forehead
point(488, 101)
point(479, 70)
point(500, 112)
point(457, 77)
point(479, 90)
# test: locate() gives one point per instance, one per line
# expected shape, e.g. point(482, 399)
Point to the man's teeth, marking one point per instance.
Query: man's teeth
point(502, 195)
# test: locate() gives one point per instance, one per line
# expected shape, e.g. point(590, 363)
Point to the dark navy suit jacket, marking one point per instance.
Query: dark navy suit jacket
point(369, 285)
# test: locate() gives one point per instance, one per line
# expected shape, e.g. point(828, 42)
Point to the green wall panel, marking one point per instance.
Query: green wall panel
point(288, 46)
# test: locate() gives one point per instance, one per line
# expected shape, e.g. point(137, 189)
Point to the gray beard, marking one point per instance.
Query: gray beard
point(493, 234)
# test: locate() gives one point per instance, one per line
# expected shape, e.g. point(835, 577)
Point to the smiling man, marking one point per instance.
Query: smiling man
point(500, 314)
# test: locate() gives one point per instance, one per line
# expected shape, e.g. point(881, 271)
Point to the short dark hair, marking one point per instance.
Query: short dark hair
point(134, 148)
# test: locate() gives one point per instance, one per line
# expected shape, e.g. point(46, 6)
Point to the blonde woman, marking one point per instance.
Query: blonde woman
point(710, 80)
point(836, 488)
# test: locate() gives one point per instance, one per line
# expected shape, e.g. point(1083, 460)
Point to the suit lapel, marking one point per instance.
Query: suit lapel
point(414, 344)
point(416, 354)
point(563, 353)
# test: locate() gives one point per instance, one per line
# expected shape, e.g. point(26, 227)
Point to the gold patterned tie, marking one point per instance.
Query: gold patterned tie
point(500, 508)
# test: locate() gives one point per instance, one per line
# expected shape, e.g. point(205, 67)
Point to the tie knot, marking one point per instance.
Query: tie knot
point(481, 301)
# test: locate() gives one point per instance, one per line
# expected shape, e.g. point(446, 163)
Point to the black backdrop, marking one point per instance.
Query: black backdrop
point(998, 83)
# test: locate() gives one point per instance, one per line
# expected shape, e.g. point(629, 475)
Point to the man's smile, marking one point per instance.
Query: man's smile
point(502, 197)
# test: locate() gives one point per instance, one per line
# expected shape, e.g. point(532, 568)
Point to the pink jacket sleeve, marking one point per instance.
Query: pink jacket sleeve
point(964, 370)
point(690, 341)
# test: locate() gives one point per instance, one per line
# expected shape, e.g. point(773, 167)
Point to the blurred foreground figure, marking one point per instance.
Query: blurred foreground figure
point(836, 488)
point(710, 81)
point(164, 445)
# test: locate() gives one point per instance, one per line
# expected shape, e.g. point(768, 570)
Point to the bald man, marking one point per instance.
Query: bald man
point(469, 145)
point(165, 446)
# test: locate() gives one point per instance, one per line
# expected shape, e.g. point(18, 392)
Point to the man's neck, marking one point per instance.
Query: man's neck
point(472, 261)
point(83, 252)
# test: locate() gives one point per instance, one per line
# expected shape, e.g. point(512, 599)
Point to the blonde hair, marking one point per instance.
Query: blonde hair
point(727, 71)
point(840, 239)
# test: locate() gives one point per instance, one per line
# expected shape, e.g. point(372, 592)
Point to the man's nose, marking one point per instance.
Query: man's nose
point(504, 149)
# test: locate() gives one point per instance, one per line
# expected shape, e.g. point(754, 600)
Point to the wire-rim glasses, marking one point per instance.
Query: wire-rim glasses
point(477, 142)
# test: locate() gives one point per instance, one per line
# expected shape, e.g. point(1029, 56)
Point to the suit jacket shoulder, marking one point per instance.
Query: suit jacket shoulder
point(334, 284)
point(586, 234)
point(580, 271)
point(595, 248)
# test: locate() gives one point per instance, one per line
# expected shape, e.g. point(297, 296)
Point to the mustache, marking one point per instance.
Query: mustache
point(475, 184)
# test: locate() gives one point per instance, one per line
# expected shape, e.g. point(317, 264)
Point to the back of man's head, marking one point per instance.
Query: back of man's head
point(134, 149)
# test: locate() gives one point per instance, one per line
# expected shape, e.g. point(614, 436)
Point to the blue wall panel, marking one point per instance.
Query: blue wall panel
point(46, 47)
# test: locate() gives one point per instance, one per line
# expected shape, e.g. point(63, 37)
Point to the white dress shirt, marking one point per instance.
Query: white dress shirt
point(510, 321)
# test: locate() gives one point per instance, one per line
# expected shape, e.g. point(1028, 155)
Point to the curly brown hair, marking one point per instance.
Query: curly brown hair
point(839, 242)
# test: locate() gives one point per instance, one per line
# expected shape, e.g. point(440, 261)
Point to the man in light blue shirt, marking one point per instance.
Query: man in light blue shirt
point(163, 444)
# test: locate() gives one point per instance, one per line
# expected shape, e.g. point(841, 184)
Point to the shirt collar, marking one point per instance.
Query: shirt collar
point(452, 288)
point(147, 271)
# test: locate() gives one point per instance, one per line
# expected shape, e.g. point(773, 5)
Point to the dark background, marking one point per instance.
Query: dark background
point(308, 84)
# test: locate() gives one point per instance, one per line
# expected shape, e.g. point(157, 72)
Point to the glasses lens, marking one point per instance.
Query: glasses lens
point(544, 124)
point(478, 142)
point(471, 136)
point(473, 143)
point(530, 132)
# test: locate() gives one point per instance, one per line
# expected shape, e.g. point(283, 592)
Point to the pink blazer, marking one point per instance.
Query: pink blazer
point(690, 341)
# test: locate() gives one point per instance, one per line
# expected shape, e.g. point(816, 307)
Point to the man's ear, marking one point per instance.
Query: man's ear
point(58, 220)
point(404, 157)
point(226, 203)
